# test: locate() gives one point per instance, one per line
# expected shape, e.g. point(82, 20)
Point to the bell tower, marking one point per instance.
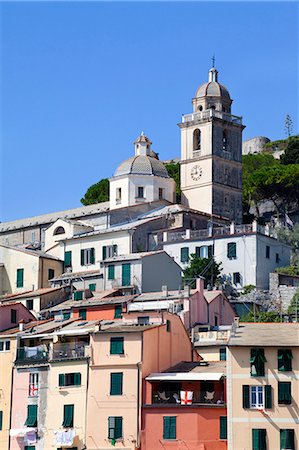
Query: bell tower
point(211, 153)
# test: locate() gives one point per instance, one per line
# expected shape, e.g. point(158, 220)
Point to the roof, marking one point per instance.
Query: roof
point(132, 256)
point(266, 335)
point(37, 253)
point(115, 327)
point(90, 302)
point(37, 293)
point(209, 371)
point(212, 89)
point(71, 275)
point(142, 165)
point(211, 295)
point(171, 295)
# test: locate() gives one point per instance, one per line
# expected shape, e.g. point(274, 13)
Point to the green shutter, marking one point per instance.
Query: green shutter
point(92, 287)
point(20, 278)
point(31, 420)
point(92, 256)
point(246, 402)
point(68, 416)
point(223, 427)
point(82, 257)
point(259, 439)
point(104, 252)
point(77, 379)
point(197, 252)
point(116, 383)
point(68, 259)
point(78, 295)
point(169, 427)
point(82, 314)
point(61, 379)
point(284, 358)
point(114, 250)
point(1, 420)
point(210, 251)
point(66, 315)
point(118, 309)
point(257, 360)
point(115, 427)
point(268, 396)
point(287, 439)
point(284, 392)
point(111, 272)
point(231, 250)
point(222, 354)
point(117, 346)
point(184, 254)
point(126, 274)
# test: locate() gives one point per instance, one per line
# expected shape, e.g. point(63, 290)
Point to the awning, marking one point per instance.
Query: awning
point(186, 376)
point(21, 431)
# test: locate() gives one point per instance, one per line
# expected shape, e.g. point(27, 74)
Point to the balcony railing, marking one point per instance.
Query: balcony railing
point(173, 398)
point(70, 351)
point(209, 113)
point(33, 355)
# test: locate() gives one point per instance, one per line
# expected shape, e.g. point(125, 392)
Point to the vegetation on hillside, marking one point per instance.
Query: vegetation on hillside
point(258, 316)
point(204, 267)
point(294, 305)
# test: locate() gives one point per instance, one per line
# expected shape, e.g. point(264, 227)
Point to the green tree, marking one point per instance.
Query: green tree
point(97, 193)
point(204, 267)
point(288, 125)
point(294, 305)
point(173, 170)
point(291, 238)
point(269, 316)
point(291, 153)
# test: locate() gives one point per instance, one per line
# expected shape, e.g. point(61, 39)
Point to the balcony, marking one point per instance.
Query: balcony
point(69, 351)
point(32, 355)
point(209, 113)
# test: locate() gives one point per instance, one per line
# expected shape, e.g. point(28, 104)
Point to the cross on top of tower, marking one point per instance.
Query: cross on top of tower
point(213, 60)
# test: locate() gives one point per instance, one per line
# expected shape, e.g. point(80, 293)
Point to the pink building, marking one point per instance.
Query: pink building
point(12, 313)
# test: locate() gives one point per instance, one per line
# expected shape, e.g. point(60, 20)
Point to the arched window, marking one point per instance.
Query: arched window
point(196, 140)
point(59, 230)
point(224, 140)
point(200, 108)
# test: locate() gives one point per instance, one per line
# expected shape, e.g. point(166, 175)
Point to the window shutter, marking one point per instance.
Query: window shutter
point(126, 274)
point(104, 252)
point(77, 379)
point(284, 392)
point(118, 312)
point(111, 427)
point(268, 396)
point(246, 403)
point(172, 427)
point(92, 256)
point(61, 379)
point(115, 250)
point(223, 427)
point(82, 257)
point(1, 419)
point(284, 358)
point(197, 251)
point(116, 346)
point(31, 420)
point(111, 275)
point(20, 277)
point(210, 251)
point(68, 259)
point(184, 254)
point(92, 287)
point(118, 433)
point(68, 416)
point(78, 295)
point(82, 314)
point(287, 441)
point(259, 439)
point(166, 427)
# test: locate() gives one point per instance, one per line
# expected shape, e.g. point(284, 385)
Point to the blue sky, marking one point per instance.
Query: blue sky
point(80, 81)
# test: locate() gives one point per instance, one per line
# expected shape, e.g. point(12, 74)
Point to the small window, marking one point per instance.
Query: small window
point(109, 251)
point(222, 354)
point(78, 295)
point(232, 250)
point(59, 230)
point(92, 287)
point(223, 427)
point(140, 192)
point(257, 362)
point(185, 254)
point(267, 251)
point(200, 108)
point(236, 278)
point(115, 428)
point(68, 259)
point(224, 140)
point(13, 316)
point(68, 416)
point(66, 315)
point(29, 304)
point(205, 251)
point(31, 420)
point(118, 195)
point(284, 357)
point(111, 272)
point(4, 346)
point(20, 278)
point(82, 314)
point(116, 346)
point(196, 140)
point(161, 193)
point(51, 274)
point(33, 384)
point(168, 326)
point(287, 439)
point(277, 258)
point(259, 439)
point(1, 420)
point(216, 321)
point(69, 379)
point(169, 427)
point(116, 383)
point(284, 393)
point(87, 256)
point(143, 320)
point(118, 311)
point(257, 397)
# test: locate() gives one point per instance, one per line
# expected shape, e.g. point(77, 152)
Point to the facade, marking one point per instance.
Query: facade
point(263, 391)
point(7, 356)
point(211, 153)
point(11, 313)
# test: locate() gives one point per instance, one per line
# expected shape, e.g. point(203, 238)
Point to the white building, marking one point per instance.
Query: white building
point(247, 252)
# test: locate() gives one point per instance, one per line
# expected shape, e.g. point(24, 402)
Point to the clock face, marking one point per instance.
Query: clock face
point(196, 173)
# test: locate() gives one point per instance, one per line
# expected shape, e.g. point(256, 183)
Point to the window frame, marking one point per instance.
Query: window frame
point(140, 190)
point(256, 390)
point(68, 258)
point(5, 347)
point(284, 360)
point(169, 428)
point(288, 440)
point(284, 393)
point(20, 278)
point(232, 250)
point(257, 355)
point(117, 345)
point(117, 426)
point(184, 255)
point(116, 383)
point(33, 387)
point(87, 256)
point(68, 420)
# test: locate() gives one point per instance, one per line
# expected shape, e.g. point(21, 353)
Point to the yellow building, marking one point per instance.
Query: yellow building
point(262, 386)
point(7, 356)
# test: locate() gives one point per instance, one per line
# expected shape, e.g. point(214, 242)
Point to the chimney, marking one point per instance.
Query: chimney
point(200, 284)
point(236, 321)
point(21, 325)
point(186, 291)
point(165, 291)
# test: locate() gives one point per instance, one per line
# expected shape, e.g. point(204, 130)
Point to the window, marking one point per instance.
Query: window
point(287, 439)
point(78, 295)
point(169, 427)
point(168, 325)
point(1, 420)
point(224, 140)
point(92, 287)
point(223, 427)
point(259, 439)
point(87, 256)
point(236, 278)
point(109, 251)
point(66, 315)
point(267, 251)
point(222, 354)
point(115, 428)
point(31, 420)
point(20, 278)
point(116, 383)
point(68, 259)
point(4, 346)
point(161, 193)
point(51, 274)
point(116, 346)
point(29, 304)
point(140, 192)
point(29, 447)
point(126, 274)
point(257, 396)
point(232, 250)
point(111, 272)
point(284, 357)
point(118, 195)
point(82, 314)
point(118, 310)
point(277, 258)
point(33, 384)
point(205, 251)
point(143, 320)
point(196, 142)
point(257, 361)
point(69, 379)
point(13, 316)
point(184, 254)
point(284, 393)
point(59, 230)
point(68, 416)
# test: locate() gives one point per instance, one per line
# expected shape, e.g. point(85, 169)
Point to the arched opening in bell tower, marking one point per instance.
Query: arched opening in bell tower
point(196, 142)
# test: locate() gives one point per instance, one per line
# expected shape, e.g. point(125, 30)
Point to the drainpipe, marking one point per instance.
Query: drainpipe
point(86, 396)
point(139, 405)
point(11, 395)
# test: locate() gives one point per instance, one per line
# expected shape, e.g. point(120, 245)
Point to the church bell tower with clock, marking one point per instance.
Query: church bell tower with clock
point(211, 153)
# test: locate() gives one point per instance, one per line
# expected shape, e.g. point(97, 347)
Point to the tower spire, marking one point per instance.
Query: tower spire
point(213, 60)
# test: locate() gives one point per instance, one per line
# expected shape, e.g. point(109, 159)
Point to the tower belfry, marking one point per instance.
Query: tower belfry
point(211, 152)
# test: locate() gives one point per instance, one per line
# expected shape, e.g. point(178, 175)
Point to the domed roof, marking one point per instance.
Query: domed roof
point(212, 88)
point(142, 165)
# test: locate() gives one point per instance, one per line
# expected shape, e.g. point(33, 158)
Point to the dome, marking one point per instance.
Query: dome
point(212, 89)
point(142, 165)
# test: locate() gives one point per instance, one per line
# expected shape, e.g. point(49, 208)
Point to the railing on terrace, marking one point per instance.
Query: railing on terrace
point(32, 354)
point(69, 351)
point(212, 113)
point(199, 233)
point(199, 398)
